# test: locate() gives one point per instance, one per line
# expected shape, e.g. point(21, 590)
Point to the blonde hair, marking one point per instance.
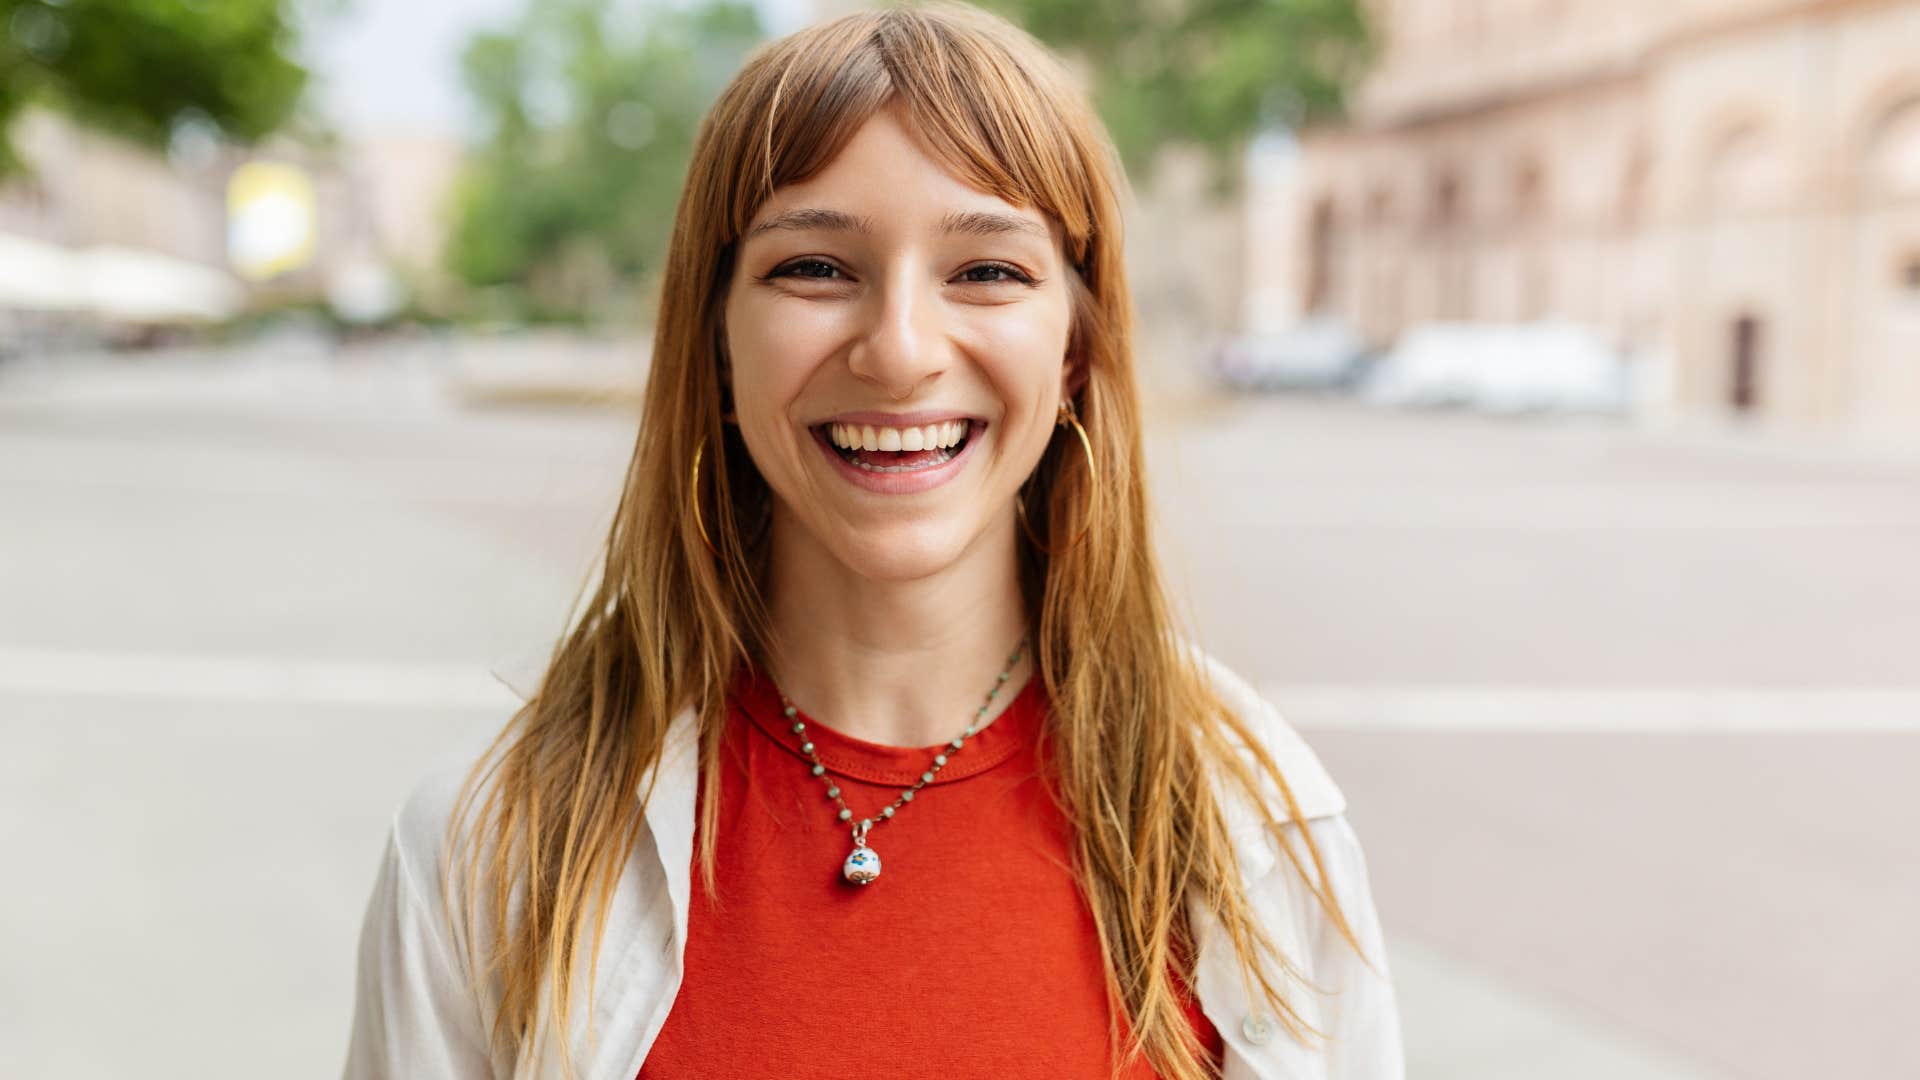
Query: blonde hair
point(1136, 735)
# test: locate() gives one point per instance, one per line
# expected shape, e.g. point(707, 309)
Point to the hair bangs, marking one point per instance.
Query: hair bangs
point(985, 107)
point(815, 95)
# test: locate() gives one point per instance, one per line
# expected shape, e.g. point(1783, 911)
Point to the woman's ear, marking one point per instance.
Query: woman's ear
point(1070, 379)
point(1073, 370)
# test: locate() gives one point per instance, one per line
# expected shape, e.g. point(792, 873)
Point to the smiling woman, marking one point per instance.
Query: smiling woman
point(890, 456)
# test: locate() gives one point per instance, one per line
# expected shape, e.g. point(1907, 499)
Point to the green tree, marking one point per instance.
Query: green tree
point(140, 67)
point(591, 119)
point(591, 116)
point(1211, 73)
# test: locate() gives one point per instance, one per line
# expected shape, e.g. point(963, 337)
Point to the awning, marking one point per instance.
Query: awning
point(113, 282)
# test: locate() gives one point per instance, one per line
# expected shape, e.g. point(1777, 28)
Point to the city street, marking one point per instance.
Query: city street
point(1628, 721)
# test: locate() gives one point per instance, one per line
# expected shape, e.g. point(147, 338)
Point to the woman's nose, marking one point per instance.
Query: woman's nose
point(901, 345)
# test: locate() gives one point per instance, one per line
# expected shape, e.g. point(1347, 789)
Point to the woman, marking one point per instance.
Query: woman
point(876, 751)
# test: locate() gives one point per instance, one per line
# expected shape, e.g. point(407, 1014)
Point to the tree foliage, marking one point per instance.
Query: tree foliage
point(1210, 73)
point(591, 110)
point(140, 67)
point(591, 116)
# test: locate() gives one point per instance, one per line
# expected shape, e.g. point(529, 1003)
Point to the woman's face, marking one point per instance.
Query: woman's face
point(878, 312)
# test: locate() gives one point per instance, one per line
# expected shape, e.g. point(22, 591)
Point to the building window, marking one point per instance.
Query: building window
point(1446, 208)
point(1529, 194)
point(1322, 245)
point(1743, 389)
point(1379, 206)
point(1633, 188)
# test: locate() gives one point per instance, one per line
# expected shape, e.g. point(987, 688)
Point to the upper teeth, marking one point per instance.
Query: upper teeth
point(868, 437)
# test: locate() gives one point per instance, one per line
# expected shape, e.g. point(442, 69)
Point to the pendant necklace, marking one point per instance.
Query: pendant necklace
point(863, 865)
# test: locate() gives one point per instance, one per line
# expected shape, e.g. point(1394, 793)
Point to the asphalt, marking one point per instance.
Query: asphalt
point(1624, 717)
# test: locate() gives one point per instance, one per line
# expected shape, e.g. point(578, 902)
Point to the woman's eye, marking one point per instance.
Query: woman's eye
point(807, 268)
point(983, 274)
point(1007, 272)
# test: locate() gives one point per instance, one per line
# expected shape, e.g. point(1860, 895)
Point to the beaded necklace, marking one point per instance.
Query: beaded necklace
point(862, 866)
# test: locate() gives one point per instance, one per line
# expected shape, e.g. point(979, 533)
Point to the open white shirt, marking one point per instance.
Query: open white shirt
point(414, 1016)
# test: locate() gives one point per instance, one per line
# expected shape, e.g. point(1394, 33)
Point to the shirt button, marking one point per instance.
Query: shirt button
point(1256, 1028)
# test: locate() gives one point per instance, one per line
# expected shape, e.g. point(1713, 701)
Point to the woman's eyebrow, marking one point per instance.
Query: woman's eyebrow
point(972, 222)
point(988, 223)
point(814, 218)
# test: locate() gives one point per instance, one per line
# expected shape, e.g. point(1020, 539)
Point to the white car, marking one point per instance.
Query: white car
point(1503, 368)
point(1318, 353)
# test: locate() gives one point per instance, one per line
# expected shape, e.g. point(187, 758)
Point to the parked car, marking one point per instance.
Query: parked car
point(1319, 353)
point(1503, 368)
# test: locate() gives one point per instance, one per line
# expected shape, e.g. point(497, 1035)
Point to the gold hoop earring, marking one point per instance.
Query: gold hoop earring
point(699, 519)
point(694, 487)
point(1064, 418)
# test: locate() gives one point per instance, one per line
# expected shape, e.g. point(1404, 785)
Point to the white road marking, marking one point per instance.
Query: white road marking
point(1703, 709)
point(180, 676)
point(250, 678)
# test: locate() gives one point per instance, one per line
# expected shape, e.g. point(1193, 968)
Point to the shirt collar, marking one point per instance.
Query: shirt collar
point(1011, 730)
point(670, 809)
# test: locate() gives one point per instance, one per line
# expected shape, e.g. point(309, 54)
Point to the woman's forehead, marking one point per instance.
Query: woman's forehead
point(887, 177)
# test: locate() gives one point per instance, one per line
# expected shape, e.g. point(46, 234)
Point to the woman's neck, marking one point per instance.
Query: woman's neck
point(900, 663)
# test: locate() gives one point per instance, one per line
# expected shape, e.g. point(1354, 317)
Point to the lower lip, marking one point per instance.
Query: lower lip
point(901, 483)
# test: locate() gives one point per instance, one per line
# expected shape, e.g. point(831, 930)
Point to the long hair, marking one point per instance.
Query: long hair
point(1136, 739)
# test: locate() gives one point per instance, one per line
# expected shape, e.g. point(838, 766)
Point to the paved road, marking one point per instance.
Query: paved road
point(243, 608)
point(1630, 720)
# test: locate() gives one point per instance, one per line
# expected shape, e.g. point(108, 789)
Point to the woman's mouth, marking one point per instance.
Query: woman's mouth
point(898, 459)
point(898, 449)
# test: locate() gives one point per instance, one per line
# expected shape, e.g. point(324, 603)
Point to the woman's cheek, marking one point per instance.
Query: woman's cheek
point(768, 343)
point(1024, 351)
point(797, 332)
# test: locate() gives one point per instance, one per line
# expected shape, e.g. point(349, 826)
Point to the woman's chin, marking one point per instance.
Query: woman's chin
point(910, 555)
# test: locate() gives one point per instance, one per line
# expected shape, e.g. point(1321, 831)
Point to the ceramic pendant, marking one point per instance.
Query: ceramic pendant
point(862, 866)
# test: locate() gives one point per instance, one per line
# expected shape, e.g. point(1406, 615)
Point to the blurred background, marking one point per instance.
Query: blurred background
point(1534, 390)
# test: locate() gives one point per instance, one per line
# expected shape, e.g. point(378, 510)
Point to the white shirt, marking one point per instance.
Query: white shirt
point(414, 1016)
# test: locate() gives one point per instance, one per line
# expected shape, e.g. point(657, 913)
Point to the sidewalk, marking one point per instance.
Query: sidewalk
point(1462, 1024)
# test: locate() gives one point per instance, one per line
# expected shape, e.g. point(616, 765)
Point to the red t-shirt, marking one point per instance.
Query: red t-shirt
point(973, 954)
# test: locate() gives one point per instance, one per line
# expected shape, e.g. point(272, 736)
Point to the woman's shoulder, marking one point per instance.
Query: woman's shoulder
point(420, 835)
point(1314, 791)
point(418, 1009)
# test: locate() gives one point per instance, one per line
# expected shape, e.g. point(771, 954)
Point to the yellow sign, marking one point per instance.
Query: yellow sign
point(270, 219)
